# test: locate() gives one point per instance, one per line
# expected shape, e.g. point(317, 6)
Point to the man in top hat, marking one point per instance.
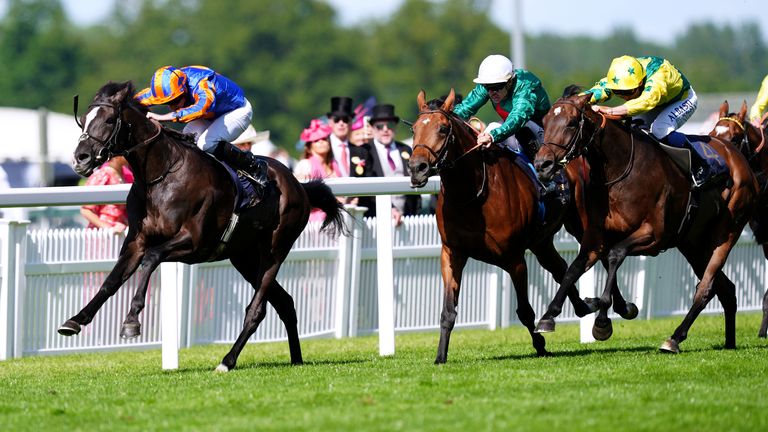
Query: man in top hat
point(390, 158)
point(340, 118)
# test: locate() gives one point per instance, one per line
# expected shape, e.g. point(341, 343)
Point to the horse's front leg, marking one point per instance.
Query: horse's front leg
point(584, 260)
point(452, 266)
point(176, 247)
point(547, 255)
point(764, 324)
point(131, 255)
point(518, 271)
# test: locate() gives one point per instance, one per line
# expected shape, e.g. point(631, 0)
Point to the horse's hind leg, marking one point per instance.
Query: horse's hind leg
point(519, 273)
point(279, 298)
point(131, 255)
point(262, 282)
point(764, 324)
point(709, 273)
point(452, 265)
point(603, 329)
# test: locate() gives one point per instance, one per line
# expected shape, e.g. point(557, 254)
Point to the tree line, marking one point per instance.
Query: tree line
point(291, 56)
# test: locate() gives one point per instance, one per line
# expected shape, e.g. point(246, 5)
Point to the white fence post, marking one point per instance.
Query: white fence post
point(356, 258)
point(343, 273)
point(171, 278)
point(385, 278)
point(13, 240)
point(587, 288)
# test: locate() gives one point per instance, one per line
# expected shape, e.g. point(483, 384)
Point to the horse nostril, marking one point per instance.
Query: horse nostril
point(83, 157)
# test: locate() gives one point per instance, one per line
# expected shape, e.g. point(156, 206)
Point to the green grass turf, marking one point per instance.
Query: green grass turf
point(492, 381)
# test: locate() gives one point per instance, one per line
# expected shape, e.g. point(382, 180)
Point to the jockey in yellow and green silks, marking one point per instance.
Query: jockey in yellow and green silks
point(757, 110)
point(654, 90)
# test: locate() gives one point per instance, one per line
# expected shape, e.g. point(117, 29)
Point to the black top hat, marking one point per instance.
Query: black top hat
point(341, 106)
point(384, 112)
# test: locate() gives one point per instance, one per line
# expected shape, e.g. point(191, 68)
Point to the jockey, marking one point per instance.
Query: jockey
point(517, 96)
point(214, 109)
point(757, 110)
point(656, 92)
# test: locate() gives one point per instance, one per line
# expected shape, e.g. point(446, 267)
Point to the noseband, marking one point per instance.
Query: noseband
point(107, 150)
point(441, 156)
point(572, 151)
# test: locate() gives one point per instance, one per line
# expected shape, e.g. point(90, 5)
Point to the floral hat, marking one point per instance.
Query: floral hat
point(316, 130)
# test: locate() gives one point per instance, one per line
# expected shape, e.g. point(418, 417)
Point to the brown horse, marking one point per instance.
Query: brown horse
point(486, 210)
point(179, 208)
point(750, 140)
point(636, 204)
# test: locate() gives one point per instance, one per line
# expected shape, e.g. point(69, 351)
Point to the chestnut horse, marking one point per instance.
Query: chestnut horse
point(636, 204)
point(487, 209)
point(179, 208)
point(750, 140)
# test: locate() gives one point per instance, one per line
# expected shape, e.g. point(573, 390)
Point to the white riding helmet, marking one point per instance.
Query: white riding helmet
point(495, 69)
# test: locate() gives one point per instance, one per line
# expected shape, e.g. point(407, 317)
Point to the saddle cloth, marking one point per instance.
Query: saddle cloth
point(246, 195)
point(707, 155)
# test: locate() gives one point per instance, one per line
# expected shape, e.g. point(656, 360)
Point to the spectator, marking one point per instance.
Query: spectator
point(259, 144)
point(108, 216)
point(340, 118)
point(318, 161)
point(390, 158)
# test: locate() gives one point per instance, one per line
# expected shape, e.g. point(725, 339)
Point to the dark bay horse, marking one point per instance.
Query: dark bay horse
point(181, 204)
point(636, 204)
point(486, 210)
point(751, 141)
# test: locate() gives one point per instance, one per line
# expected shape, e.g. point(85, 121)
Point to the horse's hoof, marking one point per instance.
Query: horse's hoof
point(632, 311)
point(130, 330)
point(545, 326)
point(669, 346)
point(593, 303)
point(69, 328)
point(603, 331)
point(221, 368)
point(762, 335)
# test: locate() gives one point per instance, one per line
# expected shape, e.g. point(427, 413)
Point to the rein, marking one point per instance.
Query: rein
point(572, 151)
point(442, 155)
point(107, 151)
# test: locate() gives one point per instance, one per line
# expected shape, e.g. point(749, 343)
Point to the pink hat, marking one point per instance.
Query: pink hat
point(316, 130)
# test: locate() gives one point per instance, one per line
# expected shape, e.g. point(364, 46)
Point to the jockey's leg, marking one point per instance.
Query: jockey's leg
point(246, 161)
point(665, 125)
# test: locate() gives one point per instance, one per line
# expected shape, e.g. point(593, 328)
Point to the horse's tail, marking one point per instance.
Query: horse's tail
point(321, 197)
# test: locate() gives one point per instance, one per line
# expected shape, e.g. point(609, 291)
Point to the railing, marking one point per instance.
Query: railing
point(337, 285)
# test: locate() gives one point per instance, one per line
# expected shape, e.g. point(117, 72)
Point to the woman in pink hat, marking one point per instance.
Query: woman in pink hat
point(318, 161)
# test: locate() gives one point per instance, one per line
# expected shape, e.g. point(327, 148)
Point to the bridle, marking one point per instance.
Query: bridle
point(107, 151)
point(441, 156)
point(745, 141)
point(572, 151)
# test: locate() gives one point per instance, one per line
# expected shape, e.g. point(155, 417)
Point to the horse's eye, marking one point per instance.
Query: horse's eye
point(444, 129)
point(111, 121)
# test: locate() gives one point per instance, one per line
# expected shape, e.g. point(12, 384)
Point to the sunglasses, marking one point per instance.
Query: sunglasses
point(337, 119)
point(495, 87)
point(382, 125)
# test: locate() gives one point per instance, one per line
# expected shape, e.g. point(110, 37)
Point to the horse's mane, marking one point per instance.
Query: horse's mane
point(572, 89)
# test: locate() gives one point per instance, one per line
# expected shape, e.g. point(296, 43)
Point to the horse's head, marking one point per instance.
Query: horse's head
point(565, 136)
point(731, 126)
point(434, 131)
point(105, 132)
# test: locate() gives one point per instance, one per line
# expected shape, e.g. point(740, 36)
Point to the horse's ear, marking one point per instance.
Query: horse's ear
point(583, 99)
point(743, 111)
point(724, 109)
point(448, 104)
point(421, 100)
point(125, 92)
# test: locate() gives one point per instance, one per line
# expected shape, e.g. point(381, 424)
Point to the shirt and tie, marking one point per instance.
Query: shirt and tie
point(341, 154)
point(392, 166)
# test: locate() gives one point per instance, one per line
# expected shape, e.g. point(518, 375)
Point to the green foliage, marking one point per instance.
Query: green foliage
point(291, 56)
point(492, 381)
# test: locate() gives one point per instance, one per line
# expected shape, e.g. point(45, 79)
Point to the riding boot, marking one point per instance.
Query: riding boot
point(254, 166)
